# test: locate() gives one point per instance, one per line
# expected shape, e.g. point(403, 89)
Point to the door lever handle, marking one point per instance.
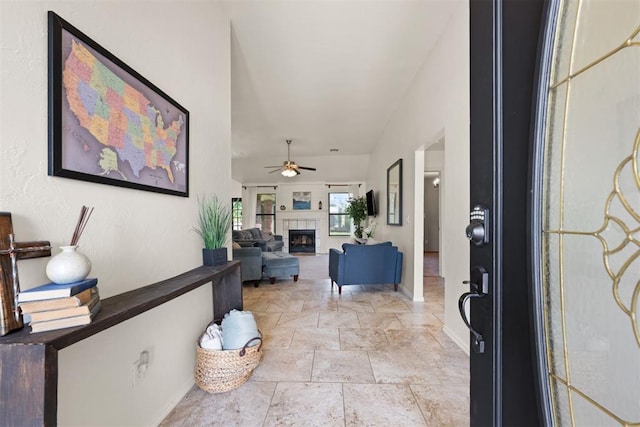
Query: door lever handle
point(479, 285)
point(478, 339)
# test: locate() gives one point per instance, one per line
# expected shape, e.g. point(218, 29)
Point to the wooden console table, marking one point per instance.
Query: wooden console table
point(29, 362)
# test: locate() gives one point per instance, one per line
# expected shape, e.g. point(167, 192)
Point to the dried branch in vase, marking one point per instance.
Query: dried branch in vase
point(85, 214)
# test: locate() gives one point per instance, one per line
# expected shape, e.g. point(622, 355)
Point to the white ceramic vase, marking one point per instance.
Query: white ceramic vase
point(68, 266)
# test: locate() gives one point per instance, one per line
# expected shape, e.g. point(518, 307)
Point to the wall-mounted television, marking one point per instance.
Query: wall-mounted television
point(371, 204)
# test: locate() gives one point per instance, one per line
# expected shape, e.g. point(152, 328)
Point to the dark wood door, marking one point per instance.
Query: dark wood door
point(503, 59)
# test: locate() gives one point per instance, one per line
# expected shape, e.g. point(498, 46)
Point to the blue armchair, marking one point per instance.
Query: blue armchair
point(365, 265)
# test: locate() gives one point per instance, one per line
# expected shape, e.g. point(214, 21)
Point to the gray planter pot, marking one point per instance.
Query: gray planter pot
point(214, 256)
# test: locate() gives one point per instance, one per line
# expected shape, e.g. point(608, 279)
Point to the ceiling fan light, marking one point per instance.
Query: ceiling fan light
point(288, 172)
point(289, 169)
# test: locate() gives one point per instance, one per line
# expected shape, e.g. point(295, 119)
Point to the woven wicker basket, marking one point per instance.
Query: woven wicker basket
point(218, 371)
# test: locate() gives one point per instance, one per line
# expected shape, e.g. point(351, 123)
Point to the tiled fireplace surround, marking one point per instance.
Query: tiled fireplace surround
point(300, 224)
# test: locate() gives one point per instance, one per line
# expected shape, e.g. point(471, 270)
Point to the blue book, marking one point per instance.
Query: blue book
point(56, 290)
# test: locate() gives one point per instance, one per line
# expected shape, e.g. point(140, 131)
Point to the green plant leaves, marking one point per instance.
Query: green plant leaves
point(214, 221)
point(357, 210)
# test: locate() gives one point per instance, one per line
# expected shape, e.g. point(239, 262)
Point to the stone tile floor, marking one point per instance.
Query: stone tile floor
point(368, 357)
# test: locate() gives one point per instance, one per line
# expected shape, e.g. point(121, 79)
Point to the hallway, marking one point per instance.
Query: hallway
point(368, 357)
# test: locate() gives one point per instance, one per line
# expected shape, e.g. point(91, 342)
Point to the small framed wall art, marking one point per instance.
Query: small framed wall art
point(301, 200)
point(394, 193)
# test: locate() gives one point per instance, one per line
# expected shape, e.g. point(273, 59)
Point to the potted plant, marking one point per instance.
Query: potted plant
point(357, 210)
point(214, 222)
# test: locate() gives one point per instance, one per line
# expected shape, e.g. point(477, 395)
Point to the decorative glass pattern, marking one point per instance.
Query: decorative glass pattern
point(591, 214)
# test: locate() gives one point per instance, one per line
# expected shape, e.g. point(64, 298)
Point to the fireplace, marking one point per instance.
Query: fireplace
point(302, 241)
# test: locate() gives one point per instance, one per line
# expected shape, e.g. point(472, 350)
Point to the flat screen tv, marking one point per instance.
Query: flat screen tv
point(371, 204)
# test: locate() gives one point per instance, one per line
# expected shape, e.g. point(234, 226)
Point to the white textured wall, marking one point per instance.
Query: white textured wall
point(236, 188)
point(437, 104)
point(134, 237)
point(434, 160)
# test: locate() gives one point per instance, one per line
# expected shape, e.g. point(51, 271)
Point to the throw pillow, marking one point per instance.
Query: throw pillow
point(267, 236)
point(243, 235)
point(236, 245)
point(255, 233)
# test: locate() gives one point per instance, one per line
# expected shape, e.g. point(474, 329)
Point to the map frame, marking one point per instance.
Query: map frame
point(75, 152)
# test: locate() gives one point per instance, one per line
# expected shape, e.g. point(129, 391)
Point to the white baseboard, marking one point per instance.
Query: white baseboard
point(456, 339)
point(404, 291)
point(175, 399)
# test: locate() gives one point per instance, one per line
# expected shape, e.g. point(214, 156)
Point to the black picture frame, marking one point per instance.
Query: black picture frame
point(107, 123)
point(394, 193)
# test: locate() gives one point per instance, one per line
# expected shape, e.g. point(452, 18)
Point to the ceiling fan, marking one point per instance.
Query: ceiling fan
point(289, 167)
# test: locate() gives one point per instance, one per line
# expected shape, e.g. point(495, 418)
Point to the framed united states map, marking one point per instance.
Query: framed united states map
point(107, 123)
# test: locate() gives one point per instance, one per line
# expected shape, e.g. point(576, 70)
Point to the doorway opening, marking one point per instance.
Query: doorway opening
point(432, 203)
point(431, 233)
point(428, 186)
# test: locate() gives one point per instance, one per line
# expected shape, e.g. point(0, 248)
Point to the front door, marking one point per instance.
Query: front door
point(555, 143)
point(503, 46)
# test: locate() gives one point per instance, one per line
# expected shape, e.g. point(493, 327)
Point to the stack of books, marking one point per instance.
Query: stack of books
point(54, 306)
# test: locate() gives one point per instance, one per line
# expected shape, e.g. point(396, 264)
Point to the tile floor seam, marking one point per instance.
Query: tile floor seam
point(313, 364)
point(419, 407)
point(344, 407)
point(266, 414)
point(373, 373)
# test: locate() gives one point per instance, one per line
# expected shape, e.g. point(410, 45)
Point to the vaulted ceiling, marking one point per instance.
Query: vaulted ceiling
point(325, 74)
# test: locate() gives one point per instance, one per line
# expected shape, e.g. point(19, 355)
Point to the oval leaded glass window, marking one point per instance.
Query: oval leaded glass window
point(589, 214)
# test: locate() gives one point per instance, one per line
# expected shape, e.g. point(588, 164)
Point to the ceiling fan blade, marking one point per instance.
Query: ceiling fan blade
point(288, 165)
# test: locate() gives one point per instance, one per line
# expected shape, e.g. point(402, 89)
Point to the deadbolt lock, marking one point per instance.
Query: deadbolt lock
point(478, 229)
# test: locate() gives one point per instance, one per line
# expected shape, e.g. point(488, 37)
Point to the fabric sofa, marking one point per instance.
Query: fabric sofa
point(365, 265)
point(266, 241)
point(250, 263)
